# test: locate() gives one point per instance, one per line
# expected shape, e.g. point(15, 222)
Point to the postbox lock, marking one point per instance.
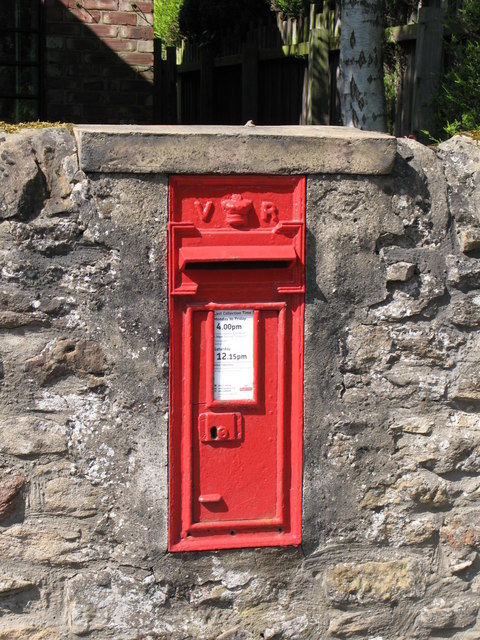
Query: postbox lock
point(236, 209)
point(220, 427)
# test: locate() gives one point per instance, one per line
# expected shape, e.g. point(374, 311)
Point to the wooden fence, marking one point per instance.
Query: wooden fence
point(286, 73)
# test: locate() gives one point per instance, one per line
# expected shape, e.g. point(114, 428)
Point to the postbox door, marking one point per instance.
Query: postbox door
point(238, 424)
point(236, 362)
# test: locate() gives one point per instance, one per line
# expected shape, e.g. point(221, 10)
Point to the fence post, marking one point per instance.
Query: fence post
point(206, 86)
point(249, 82)
point(428, 67)
point(318, 80)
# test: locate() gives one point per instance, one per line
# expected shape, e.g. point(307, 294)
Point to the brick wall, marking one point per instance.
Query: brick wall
point(99, 61)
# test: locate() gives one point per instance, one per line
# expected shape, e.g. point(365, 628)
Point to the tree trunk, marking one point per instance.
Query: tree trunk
point(362, 95)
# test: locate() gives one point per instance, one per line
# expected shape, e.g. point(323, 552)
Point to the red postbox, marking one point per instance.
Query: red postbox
point(236, 295)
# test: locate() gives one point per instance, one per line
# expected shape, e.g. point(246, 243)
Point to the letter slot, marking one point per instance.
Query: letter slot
point(236, 307)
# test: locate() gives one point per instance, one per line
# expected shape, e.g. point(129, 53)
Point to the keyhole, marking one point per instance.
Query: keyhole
point(213, 433)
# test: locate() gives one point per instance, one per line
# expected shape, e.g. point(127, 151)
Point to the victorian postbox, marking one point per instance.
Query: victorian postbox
point(236, 305)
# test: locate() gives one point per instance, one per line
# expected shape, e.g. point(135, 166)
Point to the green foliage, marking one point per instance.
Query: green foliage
point(288, 8)
point(205, 20)
point(391, 79)
point(458, 102)
point(400, 11)
point(166, 13)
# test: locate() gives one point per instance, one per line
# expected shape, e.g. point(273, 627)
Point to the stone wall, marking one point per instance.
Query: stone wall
point(98, 61)
point(391, 526)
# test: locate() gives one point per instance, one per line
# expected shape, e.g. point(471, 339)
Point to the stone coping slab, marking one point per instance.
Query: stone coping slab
point(232, 149)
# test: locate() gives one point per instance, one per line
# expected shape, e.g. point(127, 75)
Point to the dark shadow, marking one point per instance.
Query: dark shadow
point(203, 21)
point(86, 81)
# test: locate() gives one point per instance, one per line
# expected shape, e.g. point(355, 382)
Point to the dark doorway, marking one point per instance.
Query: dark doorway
point(20, 60)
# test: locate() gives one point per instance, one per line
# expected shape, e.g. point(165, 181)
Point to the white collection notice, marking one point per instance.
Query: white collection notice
point(233, 355)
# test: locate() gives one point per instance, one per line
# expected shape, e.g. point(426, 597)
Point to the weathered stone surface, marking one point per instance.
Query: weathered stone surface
point(25, 184)
point(11, 584)
point(163, 149)
point(67, 496)
point(67, 357)
point(9, 493)
point(412, 300)
point(461, 160)
point(44, 544)
point(32, 164)
point(442, 613)
point(463, 272)
point(32, 633)
point(400, 271)
point(375, 581)
point(465, 311)
point(445, 451)
point(350, 625)
point(12, 319)
point(466, 387)
point(125, 607)
point(468, 239)
point(462, 530)
point(31, 435)
point(414, 424)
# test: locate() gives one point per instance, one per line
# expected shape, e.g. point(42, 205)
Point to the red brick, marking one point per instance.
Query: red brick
point(87, 17)
point(137, 58)
point(137, 33)
point(111, 5)
point(119, 17)
point(145, 7)
point(104, 30)
point(145, 46)
point(120, 45)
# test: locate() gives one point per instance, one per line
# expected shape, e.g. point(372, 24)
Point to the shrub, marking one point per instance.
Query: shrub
point(458, 102)
point(166, 13)
point(288, 8)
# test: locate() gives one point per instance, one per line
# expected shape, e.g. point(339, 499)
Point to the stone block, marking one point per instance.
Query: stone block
point(210, 149)
point(445, 613)
point(413, 299)
point(9, 494)
point(12, 584)
point(375, 582)
point(43, 543)
point(465, 311)
point(66, 357)
point(27, 632)
point(400, 271)
point(68, 496)
point(31, 435)
point(466, 386)
point(125, 605)
point(463, 272)
point(468, 239)
point(462, 530)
